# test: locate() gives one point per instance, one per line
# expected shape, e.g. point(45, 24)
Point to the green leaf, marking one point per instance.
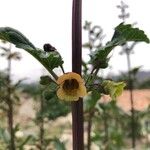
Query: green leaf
point(135, 70)
point(25, 141)
point(58, 144)
point(128, 33)
point(48, 60)
point(14, 36)
point(91, 100)
point(99, 58)
point(45, 80)
point(53, 107)
point(123, 33)
point(112, 88)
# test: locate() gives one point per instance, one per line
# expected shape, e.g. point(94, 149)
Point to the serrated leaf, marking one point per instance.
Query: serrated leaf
point(99, 58)
point(48, 60)
point(114, 89)
point(123, 33)
point(128, 33)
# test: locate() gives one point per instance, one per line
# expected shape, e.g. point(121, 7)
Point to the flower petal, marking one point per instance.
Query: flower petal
point(71, 87)
point(82, 90)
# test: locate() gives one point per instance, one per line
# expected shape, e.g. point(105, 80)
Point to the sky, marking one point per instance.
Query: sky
point(49, 21)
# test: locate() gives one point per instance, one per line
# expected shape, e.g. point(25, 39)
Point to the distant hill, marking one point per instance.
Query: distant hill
point(143, 75)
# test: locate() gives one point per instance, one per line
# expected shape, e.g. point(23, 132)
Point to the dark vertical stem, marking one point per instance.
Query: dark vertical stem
point(91, 114)
point(10, 107)
point(77, 107)
point(41, 125)
point(131, 100)
point(147, 125)
point(105, 125)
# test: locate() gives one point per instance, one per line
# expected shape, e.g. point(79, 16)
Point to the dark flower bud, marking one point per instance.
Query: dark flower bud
point(48, 48)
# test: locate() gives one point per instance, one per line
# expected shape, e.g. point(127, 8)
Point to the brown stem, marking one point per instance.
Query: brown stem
point(10, 107)
point(77, 107)
point(10, 124)
point(105, 126)
point(42, 125)
point(89, 128)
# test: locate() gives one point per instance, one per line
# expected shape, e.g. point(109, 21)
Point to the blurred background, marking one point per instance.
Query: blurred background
point(40, 120)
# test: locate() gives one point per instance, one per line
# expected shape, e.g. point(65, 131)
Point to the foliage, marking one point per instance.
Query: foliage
point(113, 89)
point(99, 114)
point(59, 145)
point(145, 84)
point(48, 60)
point(123, 33)
point(53, 108)
point(111, 137)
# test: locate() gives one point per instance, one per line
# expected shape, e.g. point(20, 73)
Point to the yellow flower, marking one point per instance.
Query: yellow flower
point(71, 87)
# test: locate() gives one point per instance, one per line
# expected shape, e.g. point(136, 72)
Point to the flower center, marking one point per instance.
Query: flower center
point(70, 84)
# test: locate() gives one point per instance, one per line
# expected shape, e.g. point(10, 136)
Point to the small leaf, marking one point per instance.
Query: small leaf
point(112, 88)
point(45, 80)
point(135, 70)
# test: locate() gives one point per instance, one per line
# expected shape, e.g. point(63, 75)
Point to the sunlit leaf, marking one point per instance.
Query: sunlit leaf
point(114, 89)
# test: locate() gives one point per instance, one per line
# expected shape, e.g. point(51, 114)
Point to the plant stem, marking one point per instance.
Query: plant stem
point(62, 68)
point(131, 97)
point(41, 125)
point(53, 74)
point(105, 125)
point(77, 107)
point(128, 50)
point(91, 76)
point(91, 114)
point(10, 107)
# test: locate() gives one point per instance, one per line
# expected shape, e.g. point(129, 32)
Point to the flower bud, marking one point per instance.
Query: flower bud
point(48, 48)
